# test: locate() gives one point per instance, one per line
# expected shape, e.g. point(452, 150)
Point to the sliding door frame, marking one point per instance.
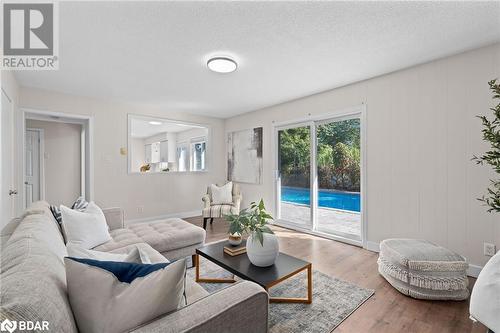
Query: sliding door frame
point(358, 111)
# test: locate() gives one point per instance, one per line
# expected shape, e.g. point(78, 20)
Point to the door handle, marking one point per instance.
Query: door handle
point(12, 192)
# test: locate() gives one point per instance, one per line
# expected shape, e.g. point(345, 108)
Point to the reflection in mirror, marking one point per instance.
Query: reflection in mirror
point(162, 145)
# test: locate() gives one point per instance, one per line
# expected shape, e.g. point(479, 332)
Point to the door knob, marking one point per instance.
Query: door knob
point(12, 192)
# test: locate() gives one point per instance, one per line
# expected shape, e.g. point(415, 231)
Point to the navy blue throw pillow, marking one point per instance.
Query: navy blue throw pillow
point(124, 271)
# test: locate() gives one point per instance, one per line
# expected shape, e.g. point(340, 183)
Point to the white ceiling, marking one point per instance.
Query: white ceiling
point(155, 53)
point(140, 127)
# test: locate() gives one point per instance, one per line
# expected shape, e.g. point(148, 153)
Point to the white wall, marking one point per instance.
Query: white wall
point(421, 135)
point(62, 146)
point(155, 194)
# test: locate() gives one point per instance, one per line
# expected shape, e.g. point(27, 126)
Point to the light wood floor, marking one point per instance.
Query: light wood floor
point(386, 311)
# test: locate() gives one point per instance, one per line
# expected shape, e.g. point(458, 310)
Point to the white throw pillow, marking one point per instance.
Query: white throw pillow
point(86, 229)
point(136, 254)
point(222, 195)
point(117, 297)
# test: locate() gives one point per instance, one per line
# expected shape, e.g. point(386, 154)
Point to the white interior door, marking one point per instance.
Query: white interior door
point(8, 191)
point(32, 176)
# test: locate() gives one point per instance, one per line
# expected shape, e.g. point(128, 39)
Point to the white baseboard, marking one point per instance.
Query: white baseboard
point(473, 270)
point(180, 215)
point(372, 246)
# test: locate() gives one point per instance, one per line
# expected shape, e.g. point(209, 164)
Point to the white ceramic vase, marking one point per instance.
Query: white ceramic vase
point(262, 255)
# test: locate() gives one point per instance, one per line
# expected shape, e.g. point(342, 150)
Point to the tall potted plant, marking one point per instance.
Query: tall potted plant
point(262, 243)
point(491, 133)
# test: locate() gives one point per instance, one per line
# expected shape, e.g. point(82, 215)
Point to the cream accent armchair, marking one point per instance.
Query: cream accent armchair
point(211, 211)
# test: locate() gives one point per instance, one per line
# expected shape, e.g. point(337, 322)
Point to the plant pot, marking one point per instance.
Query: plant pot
point(234, 239)
point(263, 255)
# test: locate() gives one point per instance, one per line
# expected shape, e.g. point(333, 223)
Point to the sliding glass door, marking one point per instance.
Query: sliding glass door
point(338, 166)
point(294, 165)
point(319, 176)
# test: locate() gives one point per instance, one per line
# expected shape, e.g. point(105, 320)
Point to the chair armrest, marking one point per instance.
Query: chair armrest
point(114, 218)
point(206, 201)
point(242, 308)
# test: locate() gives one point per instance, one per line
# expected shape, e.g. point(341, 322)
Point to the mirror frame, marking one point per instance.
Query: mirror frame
point(208, 157)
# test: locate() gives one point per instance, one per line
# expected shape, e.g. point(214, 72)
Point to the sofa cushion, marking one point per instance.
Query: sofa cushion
point(116, 297)
point(163, 236)
point(33, 280)
point(8, 230)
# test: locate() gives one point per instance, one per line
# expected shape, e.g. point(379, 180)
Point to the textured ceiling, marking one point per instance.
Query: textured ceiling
point(155, 53)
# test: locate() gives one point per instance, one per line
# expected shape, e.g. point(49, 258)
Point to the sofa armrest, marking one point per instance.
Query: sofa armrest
point(114, 218)
point(242, 308)
point(206, 201)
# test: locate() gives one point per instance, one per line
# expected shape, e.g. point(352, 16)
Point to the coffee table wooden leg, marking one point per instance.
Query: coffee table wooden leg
point(208, 280)
point(309, 284)
point(306, 300)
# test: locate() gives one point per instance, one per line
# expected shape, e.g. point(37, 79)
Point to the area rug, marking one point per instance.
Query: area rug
point(333, 300)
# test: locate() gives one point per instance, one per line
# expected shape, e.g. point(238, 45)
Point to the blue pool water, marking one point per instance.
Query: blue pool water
point(339, 200)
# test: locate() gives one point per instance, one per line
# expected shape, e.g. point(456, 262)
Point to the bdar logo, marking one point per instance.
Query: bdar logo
point(8, 326)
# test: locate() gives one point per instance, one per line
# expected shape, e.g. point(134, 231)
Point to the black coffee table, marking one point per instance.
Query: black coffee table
point(285, 267)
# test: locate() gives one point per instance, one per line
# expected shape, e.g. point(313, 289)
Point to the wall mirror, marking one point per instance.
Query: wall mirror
point(158, 145)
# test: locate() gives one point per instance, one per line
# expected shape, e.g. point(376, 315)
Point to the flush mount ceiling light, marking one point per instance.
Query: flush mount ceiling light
point(222, 64)
point(155, 122)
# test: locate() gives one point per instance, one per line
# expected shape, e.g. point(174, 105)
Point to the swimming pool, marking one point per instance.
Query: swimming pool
point(339, 200)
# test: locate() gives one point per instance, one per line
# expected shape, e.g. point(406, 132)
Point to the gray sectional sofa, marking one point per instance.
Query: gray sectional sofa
point(33, 279)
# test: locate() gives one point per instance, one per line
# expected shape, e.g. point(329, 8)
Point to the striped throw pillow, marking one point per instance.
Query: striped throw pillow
point(57, 214)
point(80, 205)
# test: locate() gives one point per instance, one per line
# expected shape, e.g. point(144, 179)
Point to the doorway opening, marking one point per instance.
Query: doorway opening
point(319, 176)
point(57, 155)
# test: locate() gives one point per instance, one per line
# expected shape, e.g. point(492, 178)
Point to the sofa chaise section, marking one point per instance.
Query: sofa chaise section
point(173, 237)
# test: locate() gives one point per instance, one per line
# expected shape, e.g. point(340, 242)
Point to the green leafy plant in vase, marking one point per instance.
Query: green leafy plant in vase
point(262, 244)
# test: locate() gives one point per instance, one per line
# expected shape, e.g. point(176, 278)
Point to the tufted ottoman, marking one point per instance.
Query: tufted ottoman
point(423, 270)
point(173, 238)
